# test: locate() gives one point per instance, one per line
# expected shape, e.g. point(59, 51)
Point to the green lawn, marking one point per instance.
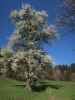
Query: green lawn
point(58, 90)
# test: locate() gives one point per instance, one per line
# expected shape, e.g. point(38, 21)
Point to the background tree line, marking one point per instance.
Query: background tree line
point(63, 72)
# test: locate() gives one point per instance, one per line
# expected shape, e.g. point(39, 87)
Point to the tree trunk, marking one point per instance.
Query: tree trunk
point(28, 84)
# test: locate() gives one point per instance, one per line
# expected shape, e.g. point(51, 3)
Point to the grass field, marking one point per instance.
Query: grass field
point(58, 90)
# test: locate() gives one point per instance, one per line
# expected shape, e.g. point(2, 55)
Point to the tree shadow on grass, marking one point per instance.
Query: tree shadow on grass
point(54, 86)
point(20, 85)
point(41, 87)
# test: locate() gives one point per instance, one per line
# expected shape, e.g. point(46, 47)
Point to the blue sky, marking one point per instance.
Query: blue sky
point(62, 50)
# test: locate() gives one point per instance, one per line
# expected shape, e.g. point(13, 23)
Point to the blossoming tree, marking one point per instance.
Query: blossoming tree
point(32, 29)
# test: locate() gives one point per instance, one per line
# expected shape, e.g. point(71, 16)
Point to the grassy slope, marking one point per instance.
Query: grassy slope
point(9, 91)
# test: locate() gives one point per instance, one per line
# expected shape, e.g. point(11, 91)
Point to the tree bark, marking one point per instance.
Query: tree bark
point(28, 84)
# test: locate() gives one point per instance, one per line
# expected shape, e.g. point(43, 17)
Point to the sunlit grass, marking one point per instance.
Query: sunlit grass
point(9, 91)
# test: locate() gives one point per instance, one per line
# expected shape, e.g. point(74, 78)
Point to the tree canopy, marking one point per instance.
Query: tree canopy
point(32, 28)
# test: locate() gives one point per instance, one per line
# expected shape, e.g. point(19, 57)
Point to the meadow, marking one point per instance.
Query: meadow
point(57, 90)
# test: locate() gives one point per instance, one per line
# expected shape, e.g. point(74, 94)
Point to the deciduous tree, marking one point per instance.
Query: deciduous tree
point(32, 29)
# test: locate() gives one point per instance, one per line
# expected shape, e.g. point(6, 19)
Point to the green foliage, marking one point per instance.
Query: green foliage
point(14, 14)
point(73, 67)
point(6, 52)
